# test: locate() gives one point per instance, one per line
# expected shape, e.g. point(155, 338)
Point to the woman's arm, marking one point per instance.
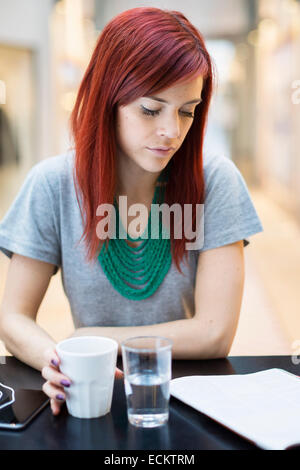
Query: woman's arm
point(218, 297)
point(26, 284)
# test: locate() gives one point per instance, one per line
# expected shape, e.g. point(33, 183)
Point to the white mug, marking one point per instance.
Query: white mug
point(90, 363)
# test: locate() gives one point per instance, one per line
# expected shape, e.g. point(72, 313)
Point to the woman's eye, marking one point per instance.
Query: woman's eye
point(186, 113)
point(151, 112)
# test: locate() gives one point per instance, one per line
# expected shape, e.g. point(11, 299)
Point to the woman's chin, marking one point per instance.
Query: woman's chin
point(155, 166)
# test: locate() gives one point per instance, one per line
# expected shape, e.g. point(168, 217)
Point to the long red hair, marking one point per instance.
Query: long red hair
point(139, 52)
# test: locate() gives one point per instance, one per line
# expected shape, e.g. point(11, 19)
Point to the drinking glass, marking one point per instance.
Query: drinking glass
point(147, 363)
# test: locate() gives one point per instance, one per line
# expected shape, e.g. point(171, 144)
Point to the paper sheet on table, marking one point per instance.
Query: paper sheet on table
point(263, 407)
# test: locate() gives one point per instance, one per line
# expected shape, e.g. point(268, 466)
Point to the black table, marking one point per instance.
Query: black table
point(186, 430)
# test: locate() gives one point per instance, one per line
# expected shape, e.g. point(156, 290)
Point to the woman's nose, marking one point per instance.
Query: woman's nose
point(170, 127)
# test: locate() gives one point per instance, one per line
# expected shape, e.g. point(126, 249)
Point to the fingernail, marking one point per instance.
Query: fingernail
point(54, 362)
point(60, 397)
point(65, 383)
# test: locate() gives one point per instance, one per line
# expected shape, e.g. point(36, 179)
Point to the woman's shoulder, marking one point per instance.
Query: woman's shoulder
point(221, 175)
point(54, 173)
point(215, 164)
point(230, 215)
point(56, 166)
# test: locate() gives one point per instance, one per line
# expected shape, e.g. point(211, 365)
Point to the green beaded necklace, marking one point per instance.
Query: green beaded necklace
point(145, 265)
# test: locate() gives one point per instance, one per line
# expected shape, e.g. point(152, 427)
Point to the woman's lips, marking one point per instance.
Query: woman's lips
point(161, 153)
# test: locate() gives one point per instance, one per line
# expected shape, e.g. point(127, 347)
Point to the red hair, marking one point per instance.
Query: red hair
point(139, 52)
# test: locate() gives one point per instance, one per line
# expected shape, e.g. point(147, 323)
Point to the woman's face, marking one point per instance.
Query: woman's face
point(162, 121)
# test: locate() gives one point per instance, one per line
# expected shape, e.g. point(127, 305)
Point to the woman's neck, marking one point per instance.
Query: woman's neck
point(136, 183)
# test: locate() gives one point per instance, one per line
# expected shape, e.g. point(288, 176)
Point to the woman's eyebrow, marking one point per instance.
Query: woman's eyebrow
point(156, 98)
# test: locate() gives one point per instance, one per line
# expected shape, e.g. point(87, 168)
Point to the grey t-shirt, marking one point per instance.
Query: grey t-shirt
point(44, 223)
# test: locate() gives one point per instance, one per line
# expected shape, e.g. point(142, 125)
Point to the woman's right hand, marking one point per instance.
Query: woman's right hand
point(55, 381)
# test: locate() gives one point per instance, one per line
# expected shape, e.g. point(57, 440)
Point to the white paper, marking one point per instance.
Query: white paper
point(263, 407)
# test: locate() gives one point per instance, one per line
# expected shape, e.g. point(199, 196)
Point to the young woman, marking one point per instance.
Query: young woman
point(138, 127)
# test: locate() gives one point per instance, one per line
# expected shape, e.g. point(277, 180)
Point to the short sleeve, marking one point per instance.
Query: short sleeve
point(30, 226)
point(229, 214)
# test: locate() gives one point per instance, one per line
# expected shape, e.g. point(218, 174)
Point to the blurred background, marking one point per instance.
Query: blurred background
point(45, 46)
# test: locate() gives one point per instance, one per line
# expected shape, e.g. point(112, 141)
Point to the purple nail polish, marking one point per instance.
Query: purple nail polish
point(65, 383)
point(54, 362)
point(60, 397)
